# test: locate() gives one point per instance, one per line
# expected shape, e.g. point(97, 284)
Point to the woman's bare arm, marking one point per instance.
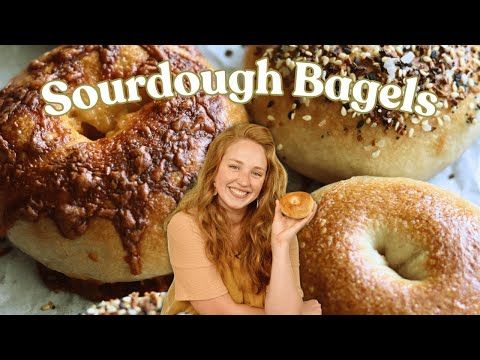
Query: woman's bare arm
point(224, 305)
point(283, 297)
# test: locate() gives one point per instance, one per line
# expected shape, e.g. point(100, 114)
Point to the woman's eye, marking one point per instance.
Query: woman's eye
point(257, 174)
point(233, 167)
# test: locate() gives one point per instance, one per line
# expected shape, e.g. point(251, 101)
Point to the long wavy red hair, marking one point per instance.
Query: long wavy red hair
point(202, 204)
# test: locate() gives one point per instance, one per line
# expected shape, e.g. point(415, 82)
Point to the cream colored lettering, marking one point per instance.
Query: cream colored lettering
point(409, 94)
point(426, 103)
point(58, 100)
point(165, 90)
point(343, 88)
point(369, 100)
point(302, 79)
point(118, 92)
point(85, 97)
point(263, 75)
point(241, 85)
point(390, 96)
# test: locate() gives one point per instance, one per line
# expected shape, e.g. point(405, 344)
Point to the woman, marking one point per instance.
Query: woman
point(231, 249)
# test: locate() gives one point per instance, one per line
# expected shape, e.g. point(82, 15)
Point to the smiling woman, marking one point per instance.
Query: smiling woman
point(240, 176)
point(231, 249)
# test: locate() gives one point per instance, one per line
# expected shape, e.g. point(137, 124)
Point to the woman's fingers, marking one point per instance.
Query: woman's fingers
point(278, 212)
point(312, 214)
point(299, 224)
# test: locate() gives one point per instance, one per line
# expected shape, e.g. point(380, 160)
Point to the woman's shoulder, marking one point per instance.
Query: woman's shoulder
point(182, 221)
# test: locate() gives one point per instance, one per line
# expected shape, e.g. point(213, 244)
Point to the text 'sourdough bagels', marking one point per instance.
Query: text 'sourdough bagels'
point(297, 205)
point(86, 193)
point(391, 246)
point(327, 141)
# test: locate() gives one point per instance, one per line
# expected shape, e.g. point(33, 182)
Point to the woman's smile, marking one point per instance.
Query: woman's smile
point(238, 193)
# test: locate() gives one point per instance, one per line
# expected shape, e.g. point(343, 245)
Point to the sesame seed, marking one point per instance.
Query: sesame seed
point(271, 117)
point(376, 154)
point(290, 63)
point(410, 132)
point(306, 117)
point(92, 311)
point(344, 111)
point(426, 126)
point(279, 147)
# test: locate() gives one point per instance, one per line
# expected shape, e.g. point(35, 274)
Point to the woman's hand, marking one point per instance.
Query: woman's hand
point(284, 229)
point(311, 307)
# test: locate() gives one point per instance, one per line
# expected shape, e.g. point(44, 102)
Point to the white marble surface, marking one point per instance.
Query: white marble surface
point(22, 292)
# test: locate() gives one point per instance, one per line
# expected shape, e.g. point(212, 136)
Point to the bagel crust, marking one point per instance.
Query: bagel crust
point(86, 193)
point(296, 205)
point(327, 141)
point(391, 246)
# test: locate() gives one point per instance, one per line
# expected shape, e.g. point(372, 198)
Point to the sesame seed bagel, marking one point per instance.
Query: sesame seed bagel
point(327, 141)
point(86, 193)
point(296, 205)
point(391, 246)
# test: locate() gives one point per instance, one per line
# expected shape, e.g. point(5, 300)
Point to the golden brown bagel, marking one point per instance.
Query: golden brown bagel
point(86, 193)
point(391, 246)
point(327, 141)
point(297, 205)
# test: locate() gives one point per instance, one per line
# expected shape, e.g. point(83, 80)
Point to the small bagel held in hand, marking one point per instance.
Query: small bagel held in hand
point(284, 228)
point(297, 205)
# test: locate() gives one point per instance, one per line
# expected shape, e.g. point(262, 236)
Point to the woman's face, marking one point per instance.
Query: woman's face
point(241, 174)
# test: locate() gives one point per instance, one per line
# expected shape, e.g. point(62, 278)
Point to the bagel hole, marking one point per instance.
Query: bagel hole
point(91, 132)
point(395, 252)
point(103, 121)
